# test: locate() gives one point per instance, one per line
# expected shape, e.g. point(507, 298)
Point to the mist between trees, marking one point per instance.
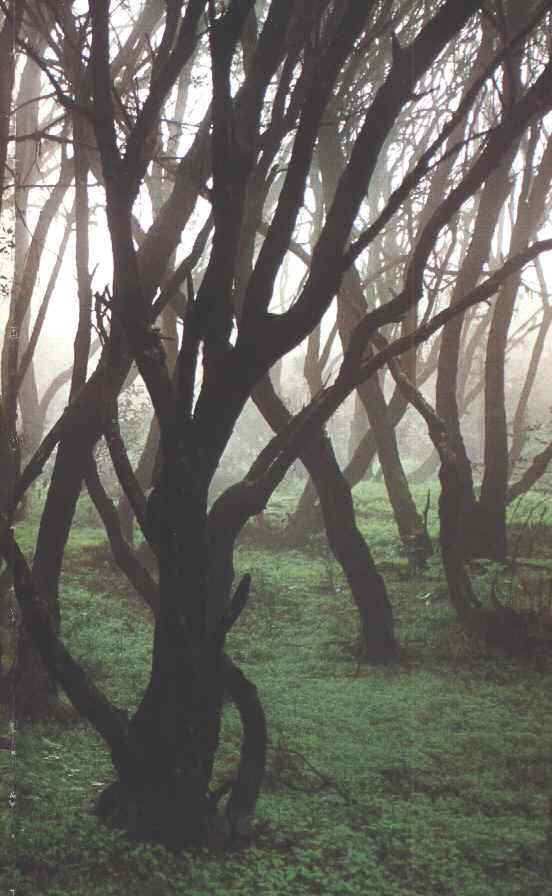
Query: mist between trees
point(244, 238)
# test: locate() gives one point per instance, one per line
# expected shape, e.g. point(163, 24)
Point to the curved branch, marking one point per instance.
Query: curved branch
point(125, 558)
point(249, 496)
point(125, 474)
point(537, 469)
point(88, 700)
point(247, 785)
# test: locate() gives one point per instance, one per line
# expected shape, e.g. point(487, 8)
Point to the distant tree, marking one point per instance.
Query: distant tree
point(484, 531)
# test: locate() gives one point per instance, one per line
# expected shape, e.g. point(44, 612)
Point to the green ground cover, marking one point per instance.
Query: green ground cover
point(431, 776)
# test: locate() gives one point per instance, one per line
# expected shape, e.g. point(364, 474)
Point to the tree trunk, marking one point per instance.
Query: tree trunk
point(344, 538)
point(307, 514)
point(491, 201)
point(165, 796)
point(8, 43)
point(146, 465)
point(144, 474)
point(162, 793)
point(31, 689)
point(410, 524)
point(351, 551)
point(512, 630)
point(426, 469)
point(492, 503)
point(357, 430)
point(351, 305)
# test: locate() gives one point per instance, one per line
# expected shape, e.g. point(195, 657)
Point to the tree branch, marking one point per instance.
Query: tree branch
point(125, 558)
point(88, 700)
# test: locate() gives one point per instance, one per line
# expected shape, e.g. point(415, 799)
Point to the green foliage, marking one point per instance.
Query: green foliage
point(529, 522)
point(431, 776)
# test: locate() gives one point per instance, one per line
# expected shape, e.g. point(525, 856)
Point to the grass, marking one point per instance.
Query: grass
point(428, 777)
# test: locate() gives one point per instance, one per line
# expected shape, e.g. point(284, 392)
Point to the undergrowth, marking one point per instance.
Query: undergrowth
point(430, 776)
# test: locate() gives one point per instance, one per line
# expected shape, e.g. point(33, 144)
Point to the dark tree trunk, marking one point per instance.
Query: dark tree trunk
point(145, 469)
point(344, 538)
point(307, 517)
point(490, 204)
point(351, 551)
point(144, 474)
point(163, 794)
point(351, 305)
point(451, 537)
point(511, 630)
point(410, 524)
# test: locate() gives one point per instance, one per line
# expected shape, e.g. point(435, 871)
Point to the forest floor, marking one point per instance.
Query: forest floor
point(430, 776)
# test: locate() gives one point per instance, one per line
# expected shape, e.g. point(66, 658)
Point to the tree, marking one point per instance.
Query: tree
point(485, 519)
point(293, 54)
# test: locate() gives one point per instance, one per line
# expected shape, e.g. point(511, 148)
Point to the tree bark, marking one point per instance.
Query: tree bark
point(344, 538)
point(351, 305)
point(122, 552)
point(164, 796)
point(357, 430)
point(491, 201)
point(512, 631)
point(492, 502)
point(149, 458)
point(33, 690)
